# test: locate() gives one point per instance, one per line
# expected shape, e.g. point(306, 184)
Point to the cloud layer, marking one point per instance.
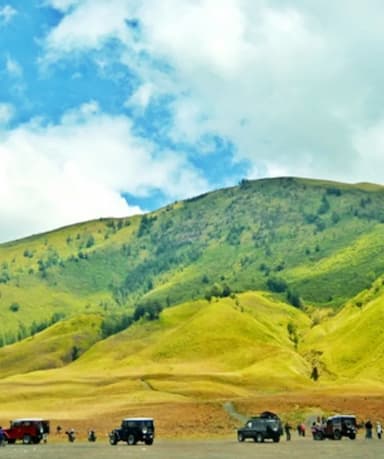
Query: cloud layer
point(289, 83)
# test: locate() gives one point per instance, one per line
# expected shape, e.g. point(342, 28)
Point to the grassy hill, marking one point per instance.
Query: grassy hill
point(195, 351)
point(257, 285)
point(349, 346)
point(314, 242)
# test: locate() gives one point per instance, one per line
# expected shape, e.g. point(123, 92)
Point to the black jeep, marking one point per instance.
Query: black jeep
point(133, 430)
point(335, 428)
point(260, 428)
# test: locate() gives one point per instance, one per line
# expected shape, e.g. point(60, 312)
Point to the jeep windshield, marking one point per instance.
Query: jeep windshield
point(143, 423)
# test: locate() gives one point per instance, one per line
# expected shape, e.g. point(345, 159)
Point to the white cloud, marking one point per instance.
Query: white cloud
point(76, 170)
point(206, 35)
point(369, 144)
point(6, 113)
point(6, 14)
point(62, 5)
point(88, 26)
point(141, 97)
point(13, 68)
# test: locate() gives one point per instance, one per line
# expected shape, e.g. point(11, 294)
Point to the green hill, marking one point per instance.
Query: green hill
point(319, 242)
point(257, 284)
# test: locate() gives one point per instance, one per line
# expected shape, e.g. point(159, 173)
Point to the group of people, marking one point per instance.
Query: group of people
point(368, 425)
point(71, 434)
point(300, 430)
point(369, 429)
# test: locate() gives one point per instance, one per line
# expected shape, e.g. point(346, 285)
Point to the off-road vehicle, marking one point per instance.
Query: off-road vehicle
point(336, 427)
point(133, 430)
point(28, 430)
point(260, 428)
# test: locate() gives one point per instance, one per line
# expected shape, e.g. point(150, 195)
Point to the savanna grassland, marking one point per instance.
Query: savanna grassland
point(268, 295)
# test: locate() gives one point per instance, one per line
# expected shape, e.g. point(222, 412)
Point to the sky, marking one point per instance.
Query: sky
point(110, 108)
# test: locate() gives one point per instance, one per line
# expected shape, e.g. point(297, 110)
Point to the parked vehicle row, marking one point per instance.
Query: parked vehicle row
point(35, 430)
point(266, 426)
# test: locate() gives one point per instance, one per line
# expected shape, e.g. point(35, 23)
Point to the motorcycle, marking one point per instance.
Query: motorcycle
point(71, 435)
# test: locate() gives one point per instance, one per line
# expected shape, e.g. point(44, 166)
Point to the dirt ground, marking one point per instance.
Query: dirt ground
point(205, 430)
point(202, 420)
point(202, 449)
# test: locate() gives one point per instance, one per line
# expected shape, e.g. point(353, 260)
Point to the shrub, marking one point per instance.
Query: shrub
point(315, 374)
point(276, 284)
point(90, 241)
point(149, 310)
point(14, 307)
point(294, 298)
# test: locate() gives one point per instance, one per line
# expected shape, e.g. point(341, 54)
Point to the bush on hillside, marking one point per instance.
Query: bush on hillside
point(28, 253)
point(113, 324)
point(218, 290)
point(4, 277)
point(277, 284)
point(294, 299)
point(149, 310)
point(14, 307)
point(315, 373)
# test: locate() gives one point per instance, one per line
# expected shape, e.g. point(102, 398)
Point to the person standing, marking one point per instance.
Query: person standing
point(368, 429)
point(3, 437)
point(287, 429)
point(379, 430)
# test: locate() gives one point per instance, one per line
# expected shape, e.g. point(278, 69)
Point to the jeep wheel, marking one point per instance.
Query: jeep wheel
point(149, 441)
point(318, 436)
point(337, 434)
point(27, 440)
point(352, 436)
point(259, 438)
point(112, 440)
point(276, 439)
point(131, 439)
point(240, 437)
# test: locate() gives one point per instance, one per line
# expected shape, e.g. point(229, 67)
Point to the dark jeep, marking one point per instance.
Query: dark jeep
point(260, 428)
point(133, 430)
point(335, 428)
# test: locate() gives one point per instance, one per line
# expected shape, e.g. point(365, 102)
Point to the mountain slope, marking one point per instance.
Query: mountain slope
point(312, 242)
point(54, 347)
point(198, 350)
point(350, 345)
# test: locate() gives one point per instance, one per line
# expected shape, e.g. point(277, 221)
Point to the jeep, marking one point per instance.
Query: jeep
point(260, 428)
point(335, 428)
point(133, 430)
point(28, 430)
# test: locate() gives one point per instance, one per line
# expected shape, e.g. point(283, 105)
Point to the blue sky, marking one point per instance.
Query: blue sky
point(117, 107)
